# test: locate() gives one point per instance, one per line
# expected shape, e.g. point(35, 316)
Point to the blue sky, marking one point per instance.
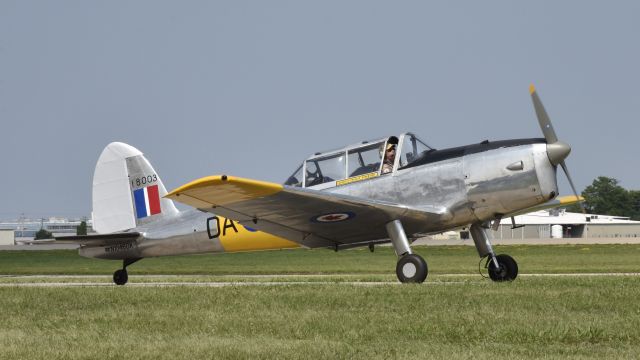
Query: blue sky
point(251, 88)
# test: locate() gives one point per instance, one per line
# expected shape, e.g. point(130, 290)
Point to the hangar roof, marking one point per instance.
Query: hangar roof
point(561, 217)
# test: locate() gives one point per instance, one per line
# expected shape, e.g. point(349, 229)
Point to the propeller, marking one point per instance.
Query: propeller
point(557, 150)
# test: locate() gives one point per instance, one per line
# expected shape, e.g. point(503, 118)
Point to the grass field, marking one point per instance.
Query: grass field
point(441, 260)
point(451, 316)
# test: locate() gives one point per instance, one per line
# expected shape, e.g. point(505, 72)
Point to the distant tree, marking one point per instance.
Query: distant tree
point(575, 208)
point(605, 196)
point(43, 234)
point(82, 228)
point(634, 195)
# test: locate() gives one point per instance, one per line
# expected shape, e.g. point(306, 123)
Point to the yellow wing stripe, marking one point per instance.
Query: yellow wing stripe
point(569, 199)
point(222, 190)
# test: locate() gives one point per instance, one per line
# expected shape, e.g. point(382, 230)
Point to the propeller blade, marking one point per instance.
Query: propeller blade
point(575, 192)
point(543, 118)
point(557, 151)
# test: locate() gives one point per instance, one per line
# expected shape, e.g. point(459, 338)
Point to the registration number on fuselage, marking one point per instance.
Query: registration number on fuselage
point(119, 248)
point(214, 231)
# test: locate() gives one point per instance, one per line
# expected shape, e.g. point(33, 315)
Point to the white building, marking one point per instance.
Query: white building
point(7, 237)
point(558, 223)
point(27, 228)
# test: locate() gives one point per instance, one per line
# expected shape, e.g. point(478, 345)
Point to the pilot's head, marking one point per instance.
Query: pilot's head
point(390, 151)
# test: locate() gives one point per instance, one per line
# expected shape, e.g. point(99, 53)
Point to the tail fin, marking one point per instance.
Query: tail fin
point(127, 191)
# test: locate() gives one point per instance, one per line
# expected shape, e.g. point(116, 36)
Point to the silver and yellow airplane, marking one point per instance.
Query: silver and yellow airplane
point(360, 195)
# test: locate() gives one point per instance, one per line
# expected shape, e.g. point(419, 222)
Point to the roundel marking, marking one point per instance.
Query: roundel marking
point(333, 217)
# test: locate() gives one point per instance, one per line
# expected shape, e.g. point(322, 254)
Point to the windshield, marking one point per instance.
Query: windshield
point(296, 178)
point(412, 149)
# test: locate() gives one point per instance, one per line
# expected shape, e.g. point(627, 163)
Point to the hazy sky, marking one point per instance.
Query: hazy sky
point(251, 88)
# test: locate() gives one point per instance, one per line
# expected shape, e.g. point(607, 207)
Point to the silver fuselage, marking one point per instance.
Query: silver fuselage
point(469, 184)
point(471, 188)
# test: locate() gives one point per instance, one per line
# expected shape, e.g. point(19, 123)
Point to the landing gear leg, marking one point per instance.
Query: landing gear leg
point(500, 267)
point(120, 277)
point(411, 268)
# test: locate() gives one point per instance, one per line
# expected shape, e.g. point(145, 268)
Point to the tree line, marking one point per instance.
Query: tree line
point(605, 196)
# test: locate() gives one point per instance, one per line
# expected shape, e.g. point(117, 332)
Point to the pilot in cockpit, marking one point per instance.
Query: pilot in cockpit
point(389, 157)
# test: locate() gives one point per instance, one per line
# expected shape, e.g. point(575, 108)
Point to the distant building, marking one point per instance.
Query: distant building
point(557, 224)
point(27, 228)
point(7, 237)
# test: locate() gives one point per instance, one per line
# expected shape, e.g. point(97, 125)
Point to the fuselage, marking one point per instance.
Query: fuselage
point(473, 183)
point(468, 184)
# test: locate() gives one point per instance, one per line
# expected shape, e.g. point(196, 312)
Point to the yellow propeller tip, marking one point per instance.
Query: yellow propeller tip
point(532, 89)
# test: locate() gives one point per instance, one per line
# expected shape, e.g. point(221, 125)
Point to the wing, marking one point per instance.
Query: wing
point(309, 217)
point(99, 239)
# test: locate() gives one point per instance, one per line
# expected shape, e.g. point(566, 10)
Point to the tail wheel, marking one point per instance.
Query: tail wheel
point(508, 270)
point(411, 268)
point(120, 277)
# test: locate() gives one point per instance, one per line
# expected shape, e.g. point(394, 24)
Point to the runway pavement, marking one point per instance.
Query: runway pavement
point(564, 241)
point(193, 281)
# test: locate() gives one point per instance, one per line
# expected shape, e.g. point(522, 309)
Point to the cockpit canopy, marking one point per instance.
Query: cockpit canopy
point(358, 162)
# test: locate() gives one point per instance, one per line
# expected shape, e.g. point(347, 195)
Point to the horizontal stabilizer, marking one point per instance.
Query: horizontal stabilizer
point(99, 239)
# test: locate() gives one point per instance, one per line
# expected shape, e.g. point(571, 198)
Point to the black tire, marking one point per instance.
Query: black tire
point(120, 277)
point(508, 269)
point(412, 269)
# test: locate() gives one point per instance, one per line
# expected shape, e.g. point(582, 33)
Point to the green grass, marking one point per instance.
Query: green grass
point(449, 317)
point(532, 317)
point(441, 260)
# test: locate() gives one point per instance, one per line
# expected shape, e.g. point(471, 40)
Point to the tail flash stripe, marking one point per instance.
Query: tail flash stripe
point(141, 207)
point(146, 201)
point(154, 200)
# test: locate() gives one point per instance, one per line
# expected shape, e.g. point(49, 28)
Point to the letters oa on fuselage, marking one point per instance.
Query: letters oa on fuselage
point(216, 232)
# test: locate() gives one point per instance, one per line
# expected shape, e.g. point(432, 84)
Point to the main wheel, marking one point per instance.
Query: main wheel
point(120, 277)
point(411, 268)
point(508, 270)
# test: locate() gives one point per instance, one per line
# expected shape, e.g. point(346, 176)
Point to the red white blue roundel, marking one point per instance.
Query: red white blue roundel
point(333, 217)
